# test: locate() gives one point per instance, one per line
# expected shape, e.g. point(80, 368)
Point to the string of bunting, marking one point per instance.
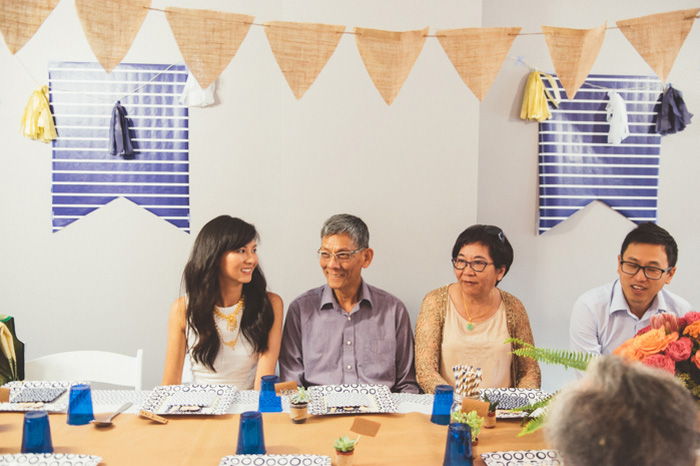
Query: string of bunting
point(303, 49)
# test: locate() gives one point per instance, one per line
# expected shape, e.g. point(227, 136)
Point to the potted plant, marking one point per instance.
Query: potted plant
point(473, 420)
point(298, 405)
point(344, 449)
point(490, 419)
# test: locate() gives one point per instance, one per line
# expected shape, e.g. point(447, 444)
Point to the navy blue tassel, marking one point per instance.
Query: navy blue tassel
point(673, 115)
point(119, 139)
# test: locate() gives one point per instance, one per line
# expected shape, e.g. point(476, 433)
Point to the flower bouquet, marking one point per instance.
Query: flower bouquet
point(670, 343)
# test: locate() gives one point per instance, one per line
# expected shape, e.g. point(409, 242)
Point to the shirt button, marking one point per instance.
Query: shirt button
point(348, 343)
point(349, 318)
point(348, 367)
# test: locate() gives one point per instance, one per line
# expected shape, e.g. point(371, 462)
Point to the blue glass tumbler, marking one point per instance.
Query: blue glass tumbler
point(80, 405)
point(251, 438)
point(442, 402)
point(36, 435)
point(458, 449)
point(268, 401)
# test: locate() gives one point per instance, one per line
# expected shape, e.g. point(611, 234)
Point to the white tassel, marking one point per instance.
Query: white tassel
point(617, 116)
point(194, 96)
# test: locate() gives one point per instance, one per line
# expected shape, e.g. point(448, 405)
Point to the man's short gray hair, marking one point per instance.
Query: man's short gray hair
point(349, 225)
point(623, 414)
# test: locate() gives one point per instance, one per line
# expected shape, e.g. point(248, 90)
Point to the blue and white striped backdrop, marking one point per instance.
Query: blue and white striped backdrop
point(578, 166)
point(85, 175)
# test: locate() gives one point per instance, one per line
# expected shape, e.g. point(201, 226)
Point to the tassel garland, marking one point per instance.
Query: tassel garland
point(119, 139)
point(194, 96)
point(37, 120)
point(673, 115)
point(617, 116)
point(536, 97)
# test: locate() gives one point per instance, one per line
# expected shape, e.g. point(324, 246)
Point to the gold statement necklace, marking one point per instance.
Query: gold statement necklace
point(231, 321)
point(470, 324)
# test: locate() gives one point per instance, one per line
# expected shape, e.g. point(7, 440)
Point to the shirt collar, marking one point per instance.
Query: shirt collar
point(618, 303)
point(328, 300)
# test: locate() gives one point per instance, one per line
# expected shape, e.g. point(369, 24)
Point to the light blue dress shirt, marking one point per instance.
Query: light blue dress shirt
point(601, 320)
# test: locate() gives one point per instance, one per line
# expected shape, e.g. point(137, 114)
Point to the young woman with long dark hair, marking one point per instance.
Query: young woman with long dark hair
point(227, 324)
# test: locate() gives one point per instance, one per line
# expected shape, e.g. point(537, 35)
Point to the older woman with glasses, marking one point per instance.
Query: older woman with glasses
point(467, 322)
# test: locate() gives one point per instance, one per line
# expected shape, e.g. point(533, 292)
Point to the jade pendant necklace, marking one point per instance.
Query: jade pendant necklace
point(470, 324)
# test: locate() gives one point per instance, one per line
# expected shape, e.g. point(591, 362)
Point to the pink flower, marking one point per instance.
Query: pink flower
point(661, 361)
point(666, 321)
point(691, 317)
point(679, 350)
point(696, 359)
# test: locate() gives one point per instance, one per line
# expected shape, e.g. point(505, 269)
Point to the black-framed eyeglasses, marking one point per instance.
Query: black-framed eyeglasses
point(342, 256)
point(492, 230)
point(652, 273)
point(477, 265)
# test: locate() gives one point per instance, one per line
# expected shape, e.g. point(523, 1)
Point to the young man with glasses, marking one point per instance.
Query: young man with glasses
point(605, 317)
point(347, 331)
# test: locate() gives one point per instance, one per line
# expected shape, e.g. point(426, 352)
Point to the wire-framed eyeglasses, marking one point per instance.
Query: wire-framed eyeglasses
point(652, 273)
point(341, 256)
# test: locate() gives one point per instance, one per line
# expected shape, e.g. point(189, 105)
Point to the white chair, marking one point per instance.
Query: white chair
point(88, 366)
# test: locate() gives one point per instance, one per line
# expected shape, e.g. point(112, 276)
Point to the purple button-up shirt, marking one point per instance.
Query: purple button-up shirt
point(323, 344)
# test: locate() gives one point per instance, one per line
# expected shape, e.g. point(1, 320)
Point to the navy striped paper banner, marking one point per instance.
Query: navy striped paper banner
point(578, 166)
point(85, 175)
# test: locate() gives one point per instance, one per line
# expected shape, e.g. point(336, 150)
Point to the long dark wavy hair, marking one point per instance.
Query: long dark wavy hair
point(201, 278)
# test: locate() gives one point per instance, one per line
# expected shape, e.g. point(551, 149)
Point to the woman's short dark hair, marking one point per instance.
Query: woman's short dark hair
point(201, 278)
point(493, 238)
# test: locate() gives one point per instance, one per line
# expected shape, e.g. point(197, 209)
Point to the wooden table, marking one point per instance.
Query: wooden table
point(404, 439)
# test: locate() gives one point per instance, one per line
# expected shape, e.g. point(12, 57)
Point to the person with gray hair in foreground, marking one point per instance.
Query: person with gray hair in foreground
point(622, 414)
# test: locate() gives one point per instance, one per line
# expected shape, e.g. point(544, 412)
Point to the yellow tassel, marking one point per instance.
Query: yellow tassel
point(536, 95)
point(37, 120)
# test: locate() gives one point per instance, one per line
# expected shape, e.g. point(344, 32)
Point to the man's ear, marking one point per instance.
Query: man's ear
point(367, 256)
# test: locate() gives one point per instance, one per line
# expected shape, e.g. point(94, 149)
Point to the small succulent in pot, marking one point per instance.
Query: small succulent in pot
point(490, 419)
point(472, 419)
point(344, 449)
point(344, 444)
point(298, 405)
point(300, 397)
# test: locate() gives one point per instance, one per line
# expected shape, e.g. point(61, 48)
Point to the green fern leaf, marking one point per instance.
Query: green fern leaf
point(568, 359)
point(533, 425)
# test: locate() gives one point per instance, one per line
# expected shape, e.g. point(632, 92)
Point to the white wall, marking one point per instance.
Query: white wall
point(550, 271)
point(107, 281)
point(418, 172)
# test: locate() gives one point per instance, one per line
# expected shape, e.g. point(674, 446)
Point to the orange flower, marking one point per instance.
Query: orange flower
point(696, 359)
point(629, 352)
point(654, 341)
point(693, 329)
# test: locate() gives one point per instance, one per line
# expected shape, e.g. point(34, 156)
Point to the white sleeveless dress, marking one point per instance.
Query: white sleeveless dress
point(235, 366)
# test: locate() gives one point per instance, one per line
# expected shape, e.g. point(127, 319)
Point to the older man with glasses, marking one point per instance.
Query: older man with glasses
point(347, 331)
point(603, 318)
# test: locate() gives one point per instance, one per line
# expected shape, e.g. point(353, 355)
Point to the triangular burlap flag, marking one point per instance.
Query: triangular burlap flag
point(207, 39)
point(389, 57)
point(477, 54)
point(573, 53)
point(659, 38)
point(302, 50)
point(19, 20)
point(111, 27)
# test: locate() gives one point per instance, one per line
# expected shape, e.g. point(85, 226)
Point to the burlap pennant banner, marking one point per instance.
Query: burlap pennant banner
point(110, 27)
point(208, 40)
point(302, 50)
point(389, 57)
point(477, 54)
point(573, 52)
point(658, 38)
point(19, 20)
